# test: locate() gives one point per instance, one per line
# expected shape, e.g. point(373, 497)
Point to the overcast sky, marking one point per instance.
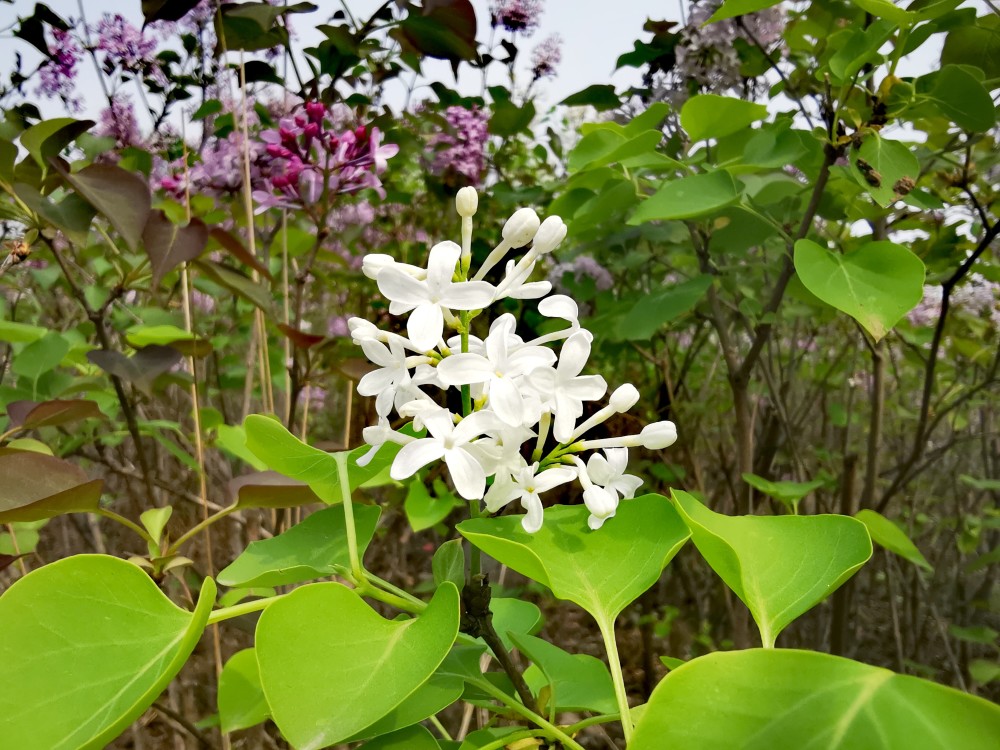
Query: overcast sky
point(594, 33)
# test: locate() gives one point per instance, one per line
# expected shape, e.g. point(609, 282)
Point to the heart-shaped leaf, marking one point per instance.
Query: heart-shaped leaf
point(89, 642)
point(784, 698)
point(48, 138)
point(122, 197)
point(887, 169)
point(30, 415)
point(168, 244)
point(141, 369)
point(688, 198)
point(354, 668)
point(713, 116)
point(37, 486)
point(241, 699)
point(780, 566)
point(269, 489)
point(577, 682)
point(435, 695)
point(314, 548)
point(876, 283)
point(602, 571)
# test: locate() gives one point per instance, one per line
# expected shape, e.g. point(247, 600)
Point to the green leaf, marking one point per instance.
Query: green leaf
point(653, 311)
point(286, 454)
point(887, 169)
point(784, 698)
point(578, 682)
point(233, 440)
point(40, 357)
point(269, 489)
point(72, 214)
point(513, 617)
point(876, 283)
point(30, 415)
point(960, 97)
point(887, 10)
point(977, 45)
point(688, 198)
point(241, 699)
point(889, 535)
point(142, 368)
point(789, 493)
point(713, 116)
point(733, 8)
point(236, 282)
point(602, 571)
point(155, 520)
point(122, 197)
point(377, 663)
point(37, 486)
point(168, 335)
point(424, 510)
point(435, 695)
point(89, 642)
point(857, 47)
point(168, 245)
point(779, 566)
point(601, 97)
point(411, 738)
point(49, 137)
point(448, 563)
point(593, 146)
point(508, 119)
point(314, 548)
point(20, 333)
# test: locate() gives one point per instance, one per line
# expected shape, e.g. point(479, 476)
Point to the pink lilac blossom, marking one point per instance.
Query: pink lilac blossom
point(305, 158)
point(56, 75)
point(546, 56)
point(518, 16)
point(460, 150)
point(118, 122)
point(127, 47)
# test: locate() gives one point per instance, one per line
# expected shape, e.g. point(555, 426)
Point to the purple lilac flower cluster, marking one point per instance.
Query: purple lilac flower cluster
point(218, 173)
point(707, 55)
point(307, 155)
point(459, 158)
point(56, 74)
point(517, 16)
point(580, 268)
point(118, 122)
point(126, 47)
point(546, 57)
point(976, 296)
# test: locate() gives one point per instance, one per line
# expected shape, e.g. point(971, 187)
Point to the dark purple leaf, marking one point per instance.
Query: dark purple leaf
point(31, 415)
point(238, 251)
point(142, 368)
point(121, 196)
point(269, 489)
point(36, 486)
point(168, 244)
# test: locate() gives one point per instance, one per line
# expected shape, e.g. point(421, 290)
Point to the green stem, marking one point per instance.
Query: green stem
point(111, 515)
point(621, 696)
point(519, 708)
point(243, 608)
point(440, 727)
point(352, 537)
point(591, 721)
point(390, 588)
point(217, 516)
point(364, 588)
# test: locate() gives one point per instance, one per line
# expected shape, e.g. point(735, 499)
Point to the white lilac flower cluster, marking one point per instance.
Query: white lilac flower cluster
point(513, 391)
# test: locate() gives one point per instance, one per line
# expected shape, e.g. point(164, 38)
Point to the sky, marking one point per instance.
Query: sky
point(594, 33)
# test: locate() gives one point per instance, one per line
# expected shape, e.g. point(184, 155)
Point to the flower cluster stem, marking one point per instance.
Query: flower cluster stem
point(607, 627)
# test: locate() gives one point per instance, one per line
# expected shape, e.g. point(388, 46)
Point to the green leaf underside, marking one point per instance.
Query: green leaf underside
point(411, 738)
point(876, 284)
point(314, 548)
point(241, 699)
point(772, 699)
point(779, 566)
point(688, 198)
point(379, 662)
point(887, 534)
point(713, 116)
point(37, 486)
point(602, 571)
point(579, 682)
point(88, 644)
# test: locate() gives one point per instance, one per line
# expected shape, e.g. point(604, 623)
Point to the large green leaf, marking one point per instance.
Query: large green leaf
point(652, 311)
point(876, 283)
point(353, 667)
point(241, 699)
point(733, 8)
point(411, 738)
point(36, 486)
point(49, 137)
point(575, 682)
point(603, 571)
point(314, 548)
point(435, 695)
point(784, 698)
point(283, 452)
point(88, 644)
point(887, 169)
point(977, 45)
point(960, 97)
point(688, 197)
point(713, 116)
point(780, 566)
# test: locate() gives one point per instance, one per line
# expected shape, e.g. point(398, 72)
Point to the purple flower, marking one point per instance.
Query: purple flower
point(460, 154)
point(546, 56)
point(125, 45)
point(517, 15)
point(118, 122)
point(580, 268)
point(57, 73)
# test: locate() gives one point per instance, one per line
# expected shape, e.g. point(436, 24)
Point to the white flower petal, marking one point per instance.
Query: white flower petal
point(553, 478)
point(531, 290)
point(475, 425)
point(468, 295)
point(401, 288)
point(532, 522)
point(466, 473)
point(505, 400)
point(586, 387)
point(374, 382)
point(574, 354)
point(441, 264)
point(462, 369)
point(617, 461)
point(500, 493)
point(627, 484)
point(425, 326)
point(599, 470)
point(414, 456)
point(560, 306)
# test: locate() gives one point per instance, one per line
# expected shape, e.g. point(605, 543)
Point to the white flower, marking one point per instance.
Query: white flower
point(378, 435)
point(503, 363)
point(610, 472)
point(564, 388)
point(374, 263)
point(429, 297)
point(450, 442)
point(526, 485)
point(515, 283)
point(601, 504)
point(393, 373)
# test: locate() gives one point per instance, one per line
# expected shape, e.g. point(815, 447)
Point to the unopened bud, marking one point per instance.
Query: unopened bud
point(658, 435)
point(601, 504)
point(624, 397)
point(466, 202)
point(521, 227)
point(372, 263)
point(549, 235)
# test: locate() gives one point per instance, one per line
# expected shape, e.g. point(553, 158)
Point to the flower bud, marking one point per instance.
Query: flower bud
point(520, 227)
point(624, 397)
point(658, 435)
point(466, 202)
point(550, 234)
point(372, 263)
point(601, 504)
